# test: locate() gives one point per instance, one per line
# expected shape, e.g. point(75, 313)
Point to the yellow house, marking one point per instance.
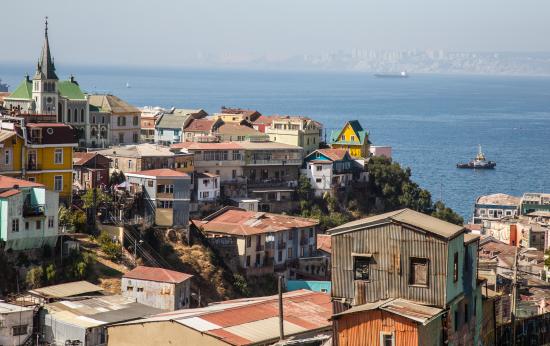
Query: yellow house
point(46, 157)
point(49, 157)
point(351, 137)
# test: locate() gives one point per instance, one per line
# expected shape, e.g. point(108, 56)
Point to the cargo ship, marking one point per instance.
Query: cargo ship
point(478, 163)
point(403, 74)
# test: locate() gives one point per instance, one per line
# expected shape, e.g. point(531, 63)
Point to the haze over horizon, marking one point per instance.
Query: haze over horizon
point(167, 33)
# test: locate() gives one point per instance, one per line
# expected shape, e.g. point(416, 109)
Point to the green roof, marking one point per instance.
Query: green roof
point(357, 128)
point(23, 91)
point(70, 90)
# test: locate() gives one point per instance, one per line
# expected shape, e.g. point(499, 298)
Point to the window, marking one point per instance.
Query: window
point(15, 225)
point(58, 183)
point(318, 180)
point(386, 339)
point(234, 174)
point(19, 330)
point(279, 256)
point(38, 225)
point(165, 204)
point(465, 313)
point(343, 138)
point(303, 251)
point(289, 253)
point(352, 138)
point(290, 235)
point(361, 267)
point(82, 115)
point(248, 241)
point(419, 271)
point(130, 288)
point(140, 289)
point(456, 320)
point(58, 156)
point(136, 138)
point(135, 120)
point(27, 225)
point(205, 194)
point(51, 221)
point(455, 267)
point(129, 163)
point(319, 168)
point(7, 157)
point(121, 137)
point(165, 188)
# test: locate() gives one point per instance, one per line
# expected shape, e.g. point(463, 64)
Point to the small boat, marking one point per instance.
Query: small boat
point(403, 74)
point(478, 163)
point(128, 85)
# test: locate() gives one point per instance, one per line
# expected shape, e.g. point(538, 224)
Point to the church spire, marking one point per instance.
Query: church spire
point(46, 67)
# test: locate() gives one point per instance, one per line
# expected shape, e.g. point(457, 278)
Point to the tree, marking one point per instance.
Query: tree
point(50, 273)
point(101, 198)
point(446, 214)
point(304, 190)
point(34, 277)
point(116, 178)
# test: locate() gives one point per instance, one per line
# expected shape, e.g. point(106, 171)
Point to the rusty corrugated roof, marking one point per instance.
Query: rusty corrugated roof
point(157, 274)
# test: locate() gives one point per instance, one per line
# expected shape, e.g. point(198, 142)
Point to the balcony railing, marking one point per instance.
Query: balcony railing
point(31, 166)
point(30, 210)
point(271, 162)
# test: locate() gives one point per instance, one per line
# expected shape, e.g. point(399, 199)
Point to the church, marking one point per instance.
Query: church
point(45, 94)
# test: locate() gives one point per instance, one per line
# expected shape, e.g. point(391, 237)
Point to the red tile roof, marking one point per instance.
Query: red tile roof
point(161, 172)
point(9, 193)
point(9, 182)
point(324, 243)
point(240, 222)
point(334, 154)
point(200, 125)
point(80, 158)
point(157, 274)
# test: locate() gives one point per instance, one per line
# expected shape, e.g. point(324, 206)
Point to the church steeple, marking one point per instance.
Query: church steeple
point(45, 68)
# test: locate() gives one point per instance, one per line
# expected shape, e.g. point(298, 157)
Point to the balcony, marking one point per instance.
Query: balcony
point(32, 166)
point(273, 162)
point(33, 210)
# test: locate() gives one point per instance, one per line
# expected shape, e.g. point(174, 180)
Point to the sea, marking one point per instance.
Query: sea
point(432, 122)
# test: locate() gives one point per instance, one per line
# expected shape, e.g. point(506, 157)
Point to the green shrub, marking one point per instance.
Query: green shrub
point(34, 277)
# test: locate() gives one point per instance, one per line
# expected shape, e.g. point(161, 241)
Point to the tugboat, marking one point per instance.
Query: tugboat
point(478, 163)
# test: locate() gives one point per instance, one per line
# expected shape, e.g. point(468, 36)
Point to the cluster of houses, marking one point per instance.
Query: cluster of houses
point(400, 278)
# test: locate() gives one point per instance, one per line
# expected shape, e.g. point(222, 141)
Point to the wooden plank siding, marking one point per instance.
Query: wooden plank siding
point(391, 245)
point(363, 329)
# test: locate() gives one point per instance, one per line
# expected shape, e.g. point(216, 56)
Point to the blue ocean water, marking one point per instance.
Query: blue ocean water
point(431, 121)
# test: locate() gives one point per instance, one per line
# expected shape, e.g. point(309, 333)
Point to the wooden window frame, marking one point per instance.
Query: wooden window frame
point(412, 282)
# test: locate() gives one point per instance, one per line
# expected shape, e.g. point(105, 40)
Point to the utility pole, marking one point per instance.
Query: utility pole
point(281, 320)
point(514, 295)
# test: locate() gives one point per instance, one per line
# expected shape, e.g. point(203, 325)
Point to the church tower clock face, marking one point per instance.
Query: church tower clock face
point(49, 100)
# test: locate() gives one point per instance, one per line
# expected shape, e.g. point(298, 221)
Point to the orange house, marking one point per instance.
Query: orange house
point(391, 322)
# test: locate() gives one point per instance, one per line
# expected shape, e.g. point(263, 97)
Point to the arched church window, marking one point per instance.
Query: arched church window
point(82, 115)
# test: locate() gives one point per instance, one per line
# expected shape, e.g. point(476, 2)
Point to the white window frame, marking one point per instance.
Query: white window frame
point(55, 184)
point(382, 334)
point(56, 153)
point(15, 225)
point(51, 221)
point(7, 157)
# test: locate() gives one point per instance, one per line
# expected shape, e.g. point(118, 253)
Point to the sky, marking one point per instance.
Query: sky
point(170, 32)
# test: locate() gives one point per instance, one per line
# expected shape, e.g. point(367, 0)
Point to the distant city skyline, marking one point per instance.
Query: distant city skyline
point(186, 33)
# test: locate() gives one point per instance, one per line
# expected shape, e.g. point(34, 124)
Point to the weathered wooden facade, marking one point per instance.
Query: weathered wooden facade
point(408, 255)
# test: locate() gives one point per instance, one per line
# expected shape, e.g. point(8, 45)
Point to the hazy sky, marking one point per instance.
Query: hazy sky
point(169, 32)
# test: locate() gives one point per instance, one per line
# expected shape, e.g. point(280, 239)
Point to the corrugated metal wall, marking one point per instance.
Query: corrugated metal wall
point(363, 329)
point(391, 246)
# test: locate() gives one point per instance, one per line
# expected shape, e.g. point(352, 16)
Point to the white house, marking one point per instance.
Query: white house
point(157, 287)
point(208, 186)
point(16, 324)
point(28, 214)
